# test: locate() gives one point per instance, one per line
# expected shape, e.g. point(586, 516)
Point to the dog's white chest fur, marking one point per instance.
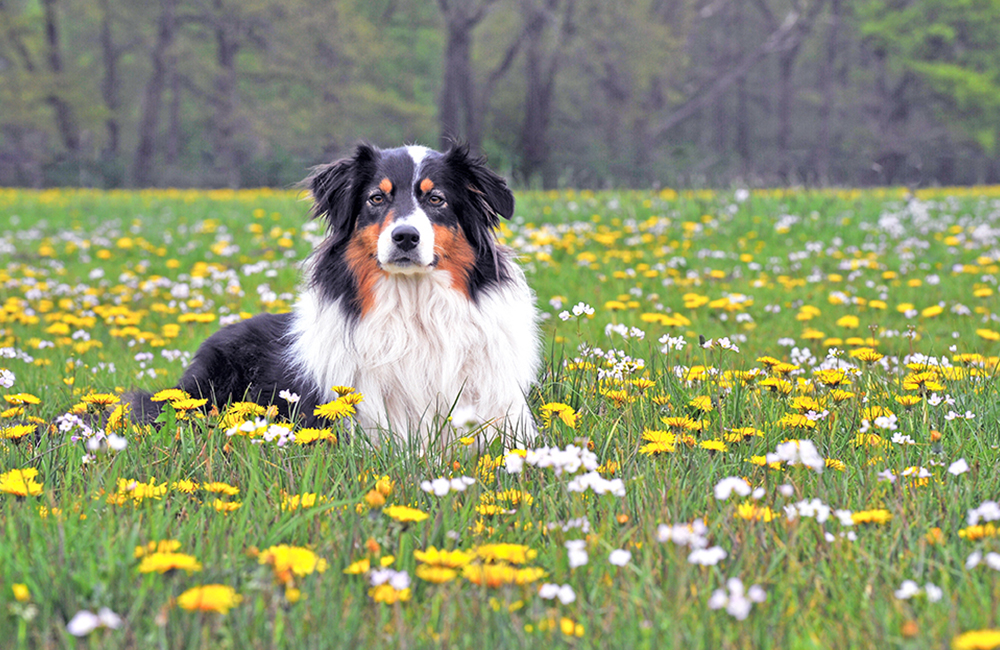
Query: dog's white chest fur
point(422, 349)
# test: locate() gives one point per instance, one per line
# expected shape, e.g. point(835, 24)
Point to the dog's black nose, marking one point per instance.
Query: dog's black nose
point(405, 237)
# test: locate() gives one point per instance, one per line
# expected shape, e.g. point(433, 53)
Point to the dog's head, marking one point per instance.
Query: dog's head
point(412, 210)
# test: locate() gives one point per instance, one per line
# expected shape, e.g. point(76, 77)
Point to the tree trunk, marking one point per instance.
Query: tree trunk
point(149, 120)
point(64, 115)
point(457, 91)
point(822, 154)
point(173, 144)
point(226, 47)
point(786, 96)
point(109, 85)
point(540, 73)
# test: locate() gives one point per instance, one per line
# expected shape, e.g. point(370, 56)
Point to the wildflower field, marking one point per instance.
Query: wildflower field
point(767, 419)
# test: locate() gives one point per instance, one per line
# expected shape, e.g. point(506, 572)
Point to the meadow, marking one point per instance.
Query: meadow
point(768, 419)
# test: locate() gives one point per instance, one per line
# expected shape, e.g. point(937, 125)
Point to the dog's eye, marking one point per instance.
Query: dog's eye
point(435, 199)
point(377, 199)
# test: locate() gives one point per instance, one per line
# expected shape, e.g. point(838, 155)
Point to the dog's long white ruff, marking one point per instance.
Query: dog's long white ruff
point(422, 348)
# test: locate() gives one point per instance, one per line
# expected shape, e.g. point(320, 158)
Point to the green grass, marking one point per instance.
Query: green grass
point(95, 288)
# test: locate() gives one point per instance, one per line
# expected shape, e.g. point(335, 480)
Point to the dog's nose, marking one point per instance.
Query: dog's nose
point(405, 237)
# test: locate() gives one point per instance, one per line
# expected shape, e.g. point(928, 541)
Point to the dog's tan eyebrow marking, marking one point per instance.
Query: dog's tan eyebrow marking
point(385, 185)
point(426, 185)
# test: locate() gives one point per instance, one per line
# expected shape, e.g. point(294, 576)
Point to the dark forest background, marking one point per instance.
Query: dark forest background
point(585, 93)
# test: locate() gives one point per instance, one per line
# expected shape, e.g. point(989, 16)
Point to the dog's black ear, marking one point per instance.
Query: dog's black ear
point(335, 187)
point(484, 183)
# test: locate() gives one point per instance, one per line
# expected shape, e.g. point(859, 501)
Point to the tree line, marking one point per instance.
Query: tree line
point(585, 93)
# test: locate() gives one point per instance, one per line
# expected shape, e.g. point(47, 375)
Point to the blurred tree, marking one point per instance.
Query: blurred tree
point(939, 52)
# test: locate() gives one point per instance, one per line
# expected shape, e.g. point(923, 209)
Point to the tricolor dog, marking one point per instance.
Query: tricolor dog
point(409, 299)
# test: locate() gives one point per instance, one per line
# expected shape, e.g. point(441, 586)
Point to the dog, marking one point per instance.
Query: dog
point(409, 299)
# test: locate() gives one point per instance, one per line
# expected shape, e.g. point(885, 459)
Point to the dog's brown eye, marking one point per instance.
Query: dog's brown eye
point(435, 199)
point(376, 199)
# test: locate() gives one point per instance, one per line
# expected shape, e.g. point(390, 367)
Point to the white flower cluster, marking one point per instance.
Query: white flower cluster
point(568, 461)
point(74, 424)
point(796, 452)
point(620, 557)
point(85, 621)
point(671, 343)
point(442, 486)
point(991, 559)
point(577, 552)
point(959, 467)
point(563, 593)
point(597, 483)
point(909, 589)
point(811, 509)
point(987, 511)
point(580, 309)
point(624, 331)
point(398, 580)
point(6, 378)
point(276, 433)
point(730, 484)
point(111, 441)
point(695, 537)
point(737, 601)
point(723, 343)
point(952, 415)
point(886, 423)
point(581, 522)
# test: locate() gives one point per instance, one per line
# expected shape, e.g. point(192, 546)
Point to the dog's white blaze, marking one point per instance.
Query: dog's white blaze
point(425, 247)
point(417, 153)
point(423, 348)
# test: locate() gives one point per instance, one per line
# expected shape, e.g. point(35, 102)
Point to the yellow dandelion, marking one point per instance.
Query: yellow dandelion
point(209, 598)
point(162, 546)
point(139, 491)
point(977, 640)
point(388, 595)
point(17, 432)
point(292, 502)
point(866, 355)
point(162, 562)
point(796, 421)
point(562, 411)
point(713, 445)
point(753, 512)
point(287, 560)
point(334, 410)
point(239, 412)
point(188, 404)
point(702, 403)
point(879, 516)
point(22, 399)
point(220, 488)
point(118, 419)
point(405, 514)
point(512, 553)
point(973, 533)
point(101, 400)
point(451, 559)
point(435, 574)
point(20, 482)
point(170, 395)
point(310, 435)
point(357, 568)
point(226, 506)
